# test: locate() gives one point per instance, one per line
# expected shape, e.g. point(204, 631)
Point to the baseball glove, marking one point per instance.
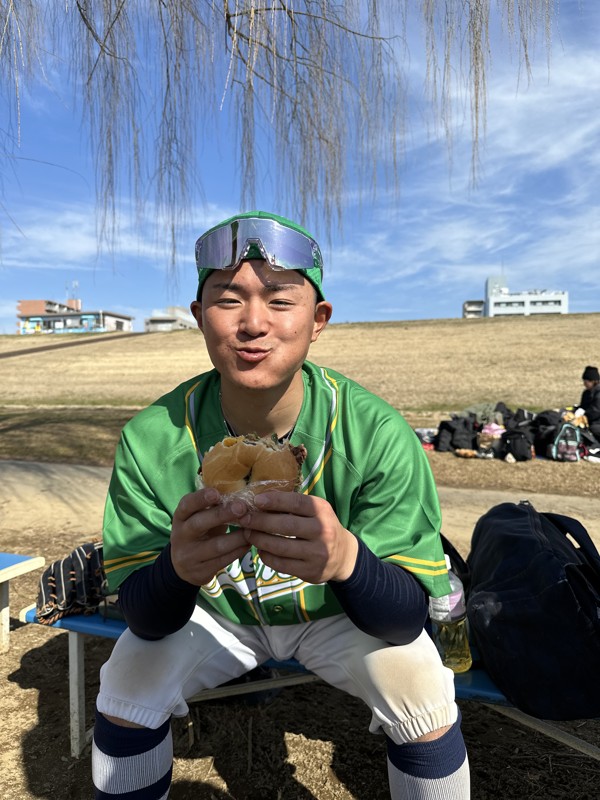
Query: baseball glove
point(75, 584)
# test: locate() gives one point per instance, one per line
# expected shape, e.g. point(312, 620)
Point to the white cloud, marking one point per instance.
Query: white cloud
point(534, 212)
point(66, 236)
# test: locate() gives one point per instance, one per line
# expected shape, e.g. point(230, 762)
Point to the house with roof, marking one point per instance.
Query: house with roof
point(51, 316)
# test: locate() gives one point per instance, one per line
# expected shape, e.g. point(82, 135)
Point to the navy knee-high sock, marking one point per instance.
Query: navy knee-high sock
point(131, 763)
point(435, 770)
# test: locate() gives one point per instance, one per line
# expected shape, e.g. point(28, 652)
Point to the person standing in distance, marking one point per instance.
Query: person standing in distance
point(336, 575)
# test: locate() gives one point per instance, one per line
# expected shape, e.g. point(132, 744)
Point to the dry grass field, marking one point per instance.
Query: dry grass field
point(418, 366)
point(68, 404)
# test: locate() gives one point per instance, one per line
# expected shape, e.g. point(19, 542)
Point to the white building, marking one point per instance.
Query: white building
point(500, 302)
point(173, 318)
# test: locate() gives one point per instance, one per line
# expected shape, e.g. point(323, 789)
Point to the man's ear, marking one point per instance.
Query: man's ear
point(196, 309)
point(323, 312)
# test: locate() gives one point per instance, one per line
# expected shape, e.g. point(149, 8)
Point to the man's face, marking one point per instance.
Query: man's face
point(258, 323)
point(589, 384)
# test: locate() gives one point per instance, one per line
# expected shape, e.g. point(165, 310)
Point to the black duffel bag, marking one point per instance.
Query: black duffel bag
point(456, 433)
point(534, 610)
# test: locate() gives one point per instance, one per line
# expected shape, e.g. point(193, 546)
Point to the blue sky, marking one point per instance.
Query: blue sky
point(533, 215)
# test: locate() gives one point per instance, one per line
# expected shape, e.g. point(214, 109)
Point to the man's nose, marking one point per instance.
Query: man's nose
point(254, 320)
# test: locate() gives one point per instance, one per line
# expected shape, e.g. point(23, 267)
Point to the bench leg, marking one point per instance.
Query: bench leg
point(4, 617)
point(79, 736)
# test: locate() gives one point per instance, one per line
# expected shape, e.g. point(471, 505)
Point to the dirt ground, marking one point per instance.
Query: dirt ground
point(308, 743)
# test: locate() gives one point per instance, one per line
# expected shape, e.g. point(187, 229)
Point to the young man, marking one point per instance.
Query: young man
point(211, 589)
point(590, 399)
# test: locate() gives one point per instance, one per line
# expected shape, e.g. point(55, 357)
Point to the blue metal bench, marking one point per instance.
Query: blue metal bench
point(472, 685)
point(11, 566)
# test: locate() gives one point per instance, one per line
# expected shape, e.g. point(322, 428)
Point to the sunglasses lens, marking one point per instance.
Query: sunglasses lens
point(216, 249)
point(282, 247)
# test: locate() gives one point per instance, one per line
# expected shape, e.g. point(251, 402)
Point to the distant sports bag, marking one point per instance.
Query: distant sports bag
point(534, 610)
point(567, 443)
point(518, 444)
point(456, 433)
point(545, 427)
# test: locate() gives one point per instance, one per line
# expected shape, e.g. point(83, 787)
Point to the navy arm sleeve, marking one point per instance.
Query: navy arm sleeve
point(382, 599)
point(155, 601)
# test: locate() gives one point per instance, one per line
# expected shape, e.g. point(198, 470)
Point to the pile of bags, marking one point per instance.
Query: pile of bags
point(488, 431)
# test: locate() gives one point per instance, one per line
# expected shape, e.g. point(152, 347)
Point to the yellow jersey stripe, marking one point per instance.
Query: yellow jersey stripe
point(316, 472)
point(317, 477)
point(419, 566)
point(336, 389)
point(419, 571)
point(131, 557)
point(188, 421)
point(302, 606)
point(422, 561)
point(134, 562)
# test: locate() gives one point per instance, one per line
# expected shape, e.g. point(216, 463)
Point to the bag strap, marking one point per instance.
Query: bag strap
point(568, 525)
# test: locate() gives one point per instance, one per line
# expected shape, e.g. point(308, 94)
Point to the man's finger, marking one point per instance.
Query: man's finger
point(287, 502)
point(196, 501)
point(204, 572)
point(286, 525)
point(210, 500)
point(284, 546)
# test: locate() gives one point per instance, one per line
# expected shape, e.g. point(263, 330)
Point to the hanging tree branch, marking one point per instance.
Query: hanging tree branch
point(325, 82)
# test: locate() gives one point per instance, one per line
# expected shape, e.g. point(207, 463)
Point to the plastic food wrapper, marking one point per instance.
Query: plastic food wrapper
point(249, 492)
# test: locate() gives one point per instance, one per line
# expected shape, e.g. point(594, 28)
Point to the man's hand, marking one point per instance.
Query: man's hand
point(300, 535)
point(200, 546)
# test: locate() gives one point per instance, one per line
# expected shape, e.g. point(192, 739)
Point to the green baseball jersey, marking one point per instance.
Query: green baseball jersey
point(363, 458)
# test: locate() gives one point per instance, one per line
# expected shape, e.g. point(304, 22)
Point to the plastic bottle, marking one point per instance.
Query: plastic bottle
point(449, 625)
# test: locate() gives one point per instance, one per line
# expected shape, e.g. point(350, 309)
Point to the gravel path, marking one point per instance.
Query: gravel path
point(32, 494)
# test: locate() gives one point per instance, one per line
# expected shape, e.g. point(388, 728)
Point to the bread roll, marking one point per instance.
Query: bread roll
point(252, 462)
point(274, 465)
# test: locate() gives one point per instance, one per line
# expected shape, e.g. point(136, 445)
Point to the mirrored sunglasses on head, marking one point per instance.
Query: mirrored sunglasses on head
point(281, 247)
